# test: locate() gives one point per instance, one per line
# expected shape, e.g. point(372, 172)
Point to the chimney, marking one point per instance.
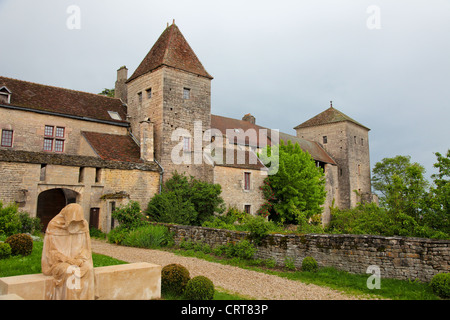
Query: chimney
point(249, 118)
point(146, 140)
point(121, 86)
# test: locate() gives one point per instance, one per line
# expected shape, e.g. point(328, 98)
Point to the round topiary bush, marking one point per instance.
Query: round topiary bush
point(199, 288)
point(309, 264)
point(440, 284)
point(174, 278)
point(21, 244)
point(5, 250)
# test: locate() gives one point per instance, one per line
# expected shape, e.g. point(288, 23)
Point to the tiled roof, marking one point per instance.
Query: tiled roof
point(331, 115)
point(315, 150)
point(114, 147)
point(171, 49)
point(241, 159)
point(62, 101)
point(224, 123)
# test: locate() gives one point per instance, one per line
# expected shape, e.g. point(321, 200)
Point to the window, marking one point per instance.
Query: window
point(325, 139)
point(48, 131)
point(247, 208)
point(186, 93)
point(362, 141)
point(54, 139)
point(43, 172)
point(59, 145)
point(140, 97)
point(59, 132)
point(7, 138)
point(114, 115)
point(48, 144)
point(149, 93)
point(81, 175)
point(186, 144)
point(98, 174)
point(247, 180)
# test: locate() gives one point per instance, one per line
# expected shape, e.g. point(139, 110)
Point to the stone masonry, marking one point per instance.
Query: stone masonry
point(397, 257)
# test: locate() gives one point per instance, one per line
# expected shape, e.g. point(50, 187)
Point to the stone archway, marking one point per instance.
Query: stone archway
point(51, 202)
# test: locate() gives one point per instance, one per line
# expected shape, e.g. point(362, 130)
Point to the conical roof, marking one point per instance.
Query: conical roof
point(331, 115)
point(172, 50)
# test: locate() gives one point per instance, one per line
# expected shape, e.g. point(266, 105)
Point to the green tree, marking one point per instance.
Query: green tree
point(108, 92)
point(438, 201)
point(186, 201)
point(297, 191)
point(402, 185)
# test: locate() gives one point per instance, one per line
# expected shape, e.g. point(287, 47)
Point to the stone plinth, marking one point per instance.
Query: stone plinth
point(134, 281)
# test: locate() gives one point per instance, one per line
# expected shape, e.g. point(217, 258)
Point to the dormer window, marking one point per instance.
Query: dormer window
point(114, 115)
point(5, 95)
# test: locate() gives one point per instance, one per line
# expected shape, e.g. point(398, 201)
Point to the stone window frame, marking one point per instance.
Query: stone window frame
point(247, 185)
point(7, 136)
point(53, 139)
point(186, 93)
point(187, 144)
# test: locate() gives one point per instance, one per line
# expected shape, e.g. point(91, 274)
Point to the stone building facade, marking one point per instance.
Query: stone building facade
point(60, 146)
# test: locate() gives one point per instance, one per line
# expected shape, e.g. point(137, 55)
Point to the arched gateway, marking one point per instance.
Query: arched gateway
point(51, 202)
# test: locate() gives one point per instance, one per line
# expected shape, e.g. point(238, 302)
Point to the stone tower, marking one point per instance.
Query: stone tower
point(348, 142)
point(171, 90)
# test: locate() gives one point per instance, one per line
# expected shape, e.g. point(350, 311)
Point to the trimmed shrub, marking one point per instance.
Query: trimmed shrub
point(440, 284)
point(309, 264)
point(199, 288)
point(5, 250)
point(151, 237)
point(21, 244)
point(174, 278)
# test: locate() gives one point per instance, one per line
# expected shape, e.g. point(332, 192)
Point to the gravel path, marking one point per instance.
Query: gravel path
point(233, 279)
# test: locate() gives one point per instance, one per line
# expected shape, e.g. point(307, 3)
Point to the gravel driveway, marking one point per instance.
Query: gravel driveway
point(233, 279)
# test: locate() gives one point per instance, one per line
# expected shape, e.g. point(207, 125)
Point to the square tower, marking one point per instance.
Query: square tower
point(172, 90)
point(347, 141)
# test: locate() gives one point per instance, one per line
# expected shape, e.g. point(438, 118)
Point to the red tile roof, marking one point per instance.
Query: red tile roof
point(242, 135)
point(172, 50)
point(224, 123)
point(114, 147)
point(233, 158)
point(62, 101)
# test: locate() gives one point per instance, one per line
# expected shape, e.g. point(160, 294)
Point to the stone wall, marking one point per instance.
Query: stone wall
point(233, 191)
point(397, 257)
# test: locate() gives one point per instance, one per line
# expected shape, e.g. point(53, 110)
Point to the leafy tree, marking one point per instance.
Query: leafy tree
point(297, 191)
point(438, 200)
point(108, 92)
point(402, 185)
point(185, 201)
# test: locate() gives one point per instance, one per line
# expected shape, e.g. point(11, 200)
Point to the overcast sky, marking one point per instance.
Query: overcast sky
point(384, 63)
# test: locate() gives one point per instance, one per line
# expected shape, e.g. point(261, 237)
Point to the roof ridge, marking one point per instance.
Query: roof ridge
point(61, 88)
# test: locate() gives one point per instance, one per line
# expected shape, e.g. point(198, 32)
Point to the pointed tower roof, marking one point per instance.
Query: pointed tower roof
point(172, 50)
point(331, 115)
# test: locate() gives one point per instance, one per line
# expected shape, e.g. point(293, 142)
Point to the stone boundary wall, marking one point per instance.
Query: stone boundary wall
point(397, 257)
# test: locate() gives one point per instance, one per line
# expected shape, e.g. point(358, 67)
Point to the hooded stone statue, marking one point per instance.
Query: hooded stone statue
point(67, 257)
